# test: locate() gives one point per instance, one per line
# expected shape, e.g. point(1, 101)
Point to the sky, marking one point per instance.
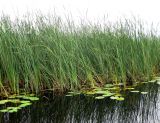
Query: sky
point(93, 10)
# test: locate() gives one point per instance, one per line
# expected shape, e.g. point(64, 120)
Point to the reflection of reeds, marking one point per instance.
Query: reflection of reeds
point(136, 108)
point(47, 55)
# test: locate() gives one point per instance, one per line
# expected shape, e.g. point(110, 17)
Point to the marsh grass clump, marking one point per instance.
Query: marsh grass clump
point(47, 54)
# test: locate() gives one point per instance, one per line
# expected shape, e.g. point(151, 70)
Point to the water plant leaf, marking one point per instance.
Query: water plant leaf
point(14, 101)
point(24, 105)
point(113, 97)
point(144, 92)
point(100, 97)
point(135, 91)
point(90, 93)
point(101, 92)
point(152, 81)
point(69, 95)
point(4, 110)
point(3, 102)
point(106, 95)
point(120, 98)
point(24, 101)
point(117, 98)
point(28, 97)
point(158, 82)
point(129, 88)
point(32, 98)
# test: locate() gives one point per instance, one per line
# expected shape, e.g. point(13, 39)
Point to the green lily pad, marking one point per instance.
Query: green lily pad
point(135, 91)
point(32, 98)
point(14, 101)
point(101, 92)
point(158, 82)
point(113, 97)
point(24, 105)
point(129, 88)
point(3, 102)
point(120, 98)
point(24, 101)
point(152, 81)
point(4, 110)
point(117, 98)
point(144, 92)
point(106, 95)
point(73, 93)
point(69, 95)
point(100, 97)
point(90, 93)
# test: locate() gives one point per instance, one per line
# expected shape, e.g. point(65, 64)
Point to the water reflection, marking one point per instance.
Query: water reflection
point(136, 108)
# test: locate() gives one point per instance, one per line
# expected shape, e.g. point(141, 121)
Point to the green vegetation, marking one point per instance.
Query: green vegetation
point(48, 54)
point(115, 92)
point(19, 101)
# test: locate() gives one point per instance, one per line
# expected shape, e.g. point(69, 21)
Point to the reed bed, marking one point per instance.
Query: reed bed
point(51, 55)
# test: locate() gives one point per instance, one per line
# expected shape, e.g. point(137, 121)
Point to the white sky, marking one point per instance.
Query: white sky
point(147, 10)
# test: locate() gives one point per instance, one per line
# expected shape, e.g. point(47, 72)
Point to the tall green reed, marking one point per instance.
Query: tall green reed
point(51, 55)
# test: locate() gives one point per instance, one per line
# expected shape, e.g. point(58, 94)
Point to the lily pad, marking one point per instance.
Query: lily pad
point(69, 95)
point(4, 110)
point(24, 105)
point(144, 92)
point(117, 98)
point(120, 98)
point(152, 81)
point(158, 82)
point(24, 101)
point(128, 88)
point(107, 95)
point(135, 91)
point(90, 93)
point(113, 97)
point(3, 102)
point(99, 97)
point(101, 92)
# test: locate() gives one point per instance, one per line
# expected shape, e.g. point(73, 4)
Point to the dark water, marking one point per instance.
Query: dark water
point(136, 108)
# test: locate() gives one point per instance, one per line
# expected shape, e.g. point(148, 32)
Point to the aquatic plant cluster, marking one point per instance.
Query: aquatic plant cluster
point(47, 54)
point(16, 102)
point(115, 92)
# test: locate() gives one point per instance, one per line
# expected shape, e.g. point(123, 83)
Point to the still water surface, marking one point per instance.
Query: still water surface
point(136, 108)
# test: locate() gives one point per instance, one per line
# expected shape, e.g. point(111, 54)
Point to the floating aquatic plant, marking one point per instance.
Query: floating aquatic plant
point(144, 92)
point(135, 91)
point(158, 82)
point(100, 97)
point(21, 101)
